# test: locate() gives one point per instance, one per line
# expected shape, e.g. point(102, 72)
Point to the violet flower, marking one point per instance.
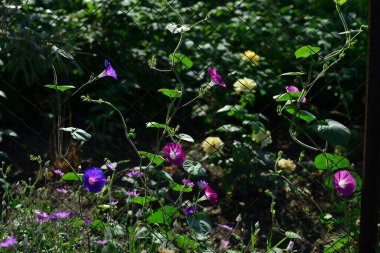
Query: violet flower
point(94, 180)
point(211, 195)
point(190, 209)
point(132, 193)
point(62, 190)
point(113, 203)
point(108, 71)
point(59, 215)
point(202, 184)
point(87, 222)
point(58, 172)
point(216, 78)
point(226, 227)
point(294, 89)
point(8, 242)
point(174, 153)
point(134, 173)
point(224, 244)
point(100, 242)
point(344, 183)
point(187, 182)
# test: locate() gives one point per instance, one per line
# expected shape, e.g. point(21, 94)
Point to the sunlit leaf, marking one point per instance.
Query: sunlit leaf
point(170, 93)
point(306, 51)
point(164, 215)
point(194, 168)
point(156, 159)
point(143, 200)
point(185, 137)
point(175, 28)
point(183, 59)
point(77, 133)
point(61, 88)
point(72, 176)
point(292, 74)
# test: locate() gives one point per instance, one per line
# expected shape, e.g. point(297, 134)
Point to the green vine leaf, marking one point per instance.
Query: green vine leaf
point(306, 51)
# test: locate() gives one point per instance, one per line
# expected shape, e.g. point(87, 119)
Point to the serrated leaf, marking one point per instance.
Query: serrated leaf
point(185, 137)
point(287, 96)
point(194, 168)
point(292, 235)
point(156, 159)
point(164, 215)
point(143, 200)
point(175, 28)
point(71, 176)
point(331, 162)
point(77, 133)
point(183, 59)
point(293, 74)
point(332, 131)
point(170, 93)
point(61, 88)
point(306, 51)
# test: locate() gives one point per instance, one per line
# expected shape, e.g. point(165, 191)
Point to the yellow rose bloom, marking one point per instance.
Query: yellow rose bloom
point(287, 164)
point(262, 137)
point(212, 144)
point(251, 57)
point(244, 85)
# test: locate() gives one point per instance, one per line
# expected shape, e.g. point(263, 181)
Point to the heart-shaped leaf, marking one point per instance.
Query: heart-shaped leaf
point(332, 131)
point(331, 162)
point(194, 168)
point(306, 51)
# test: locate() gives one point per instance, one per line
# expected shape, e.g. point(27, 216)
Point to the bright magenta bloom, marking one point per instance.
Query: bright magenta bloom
point(344, 183)
point(108, 71)
point(216, 78)
point(294, 89)
point(8, 242)
point(211, 195)
point(94, 180)
point(174, 153)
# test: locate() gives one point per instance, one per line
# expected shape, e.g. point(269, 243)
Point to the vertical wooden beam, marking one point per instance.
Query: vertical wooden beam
point(370, 206)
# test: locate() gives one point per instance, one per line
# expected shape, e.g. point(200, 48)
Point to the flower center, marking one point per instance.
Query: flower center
point(342, 184)
point(92, 180)
point(172, 154)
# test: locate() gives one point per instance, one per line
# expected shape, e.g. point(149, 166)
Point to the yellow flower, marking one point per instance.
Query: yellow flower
point(244, 85)
point(212, 144)
point(286, 164)
point(251, 57)
point(262, 137)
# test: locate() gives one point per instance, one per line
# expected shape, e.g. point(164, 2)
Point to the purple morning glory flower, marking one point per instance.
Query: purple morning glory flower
point(202, 184)
point(8, 242)
point(108, 71)
point(216, 78)
point(87, 222)
point(344, 183)
point(132, 193)
point(190, 209)
point(94, 180)
point(174, 153)
point(100, 242)
point(42, 216)
point(226, 227)
point(134, 173)
point(294, 89)
point(113, 203)
point(58, 172)
point(62, 190)
point(59, 215)
point(187, 182)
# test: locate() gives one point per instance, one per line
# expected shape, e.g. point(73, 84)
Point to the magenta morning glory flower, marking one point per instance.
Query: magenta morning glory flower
point(294, 89)
point(62, 190)
point(216, 78)
point(94, 180)
point(226, 227)
point(190, 209)
point(202, 184)
point(132, 193)
point(134, 173)
point(187, 182)
point(8, 242)
point(108, 71)
point(58, 172)
point(344, 183)
point(174, 153)
point(211, 195)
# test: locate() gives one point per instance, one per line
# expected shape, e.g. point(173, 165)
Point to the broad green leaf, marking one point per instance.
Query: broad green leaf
point(164, 215)
point(292, 235)
point(358, 179)
point(306, 51)
point(170, 93)
point(156, 125)
point(292, 74)
point(175, 28)
point(287, 96)
point(332, 131)
point(340, 2)
point(180, 187)
point(301, 114)
point(183, 59)
point(184, 242)
point(331, 162)
point(229, 128)
point(156, 159)
point(72, 176)
point(77, 133)
point(59, 87)
point(194, 168)
point(185, 137)
point(98, 225)
point(143, 200)
point(336, 245)
point(200, 223)
point(329, 182)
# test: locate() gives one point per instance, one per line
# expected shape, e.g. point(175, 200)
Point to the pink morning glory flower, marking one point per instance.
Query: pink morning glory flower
point(211, 195)
point(94, 180)
point(132, 193)
point(216, 78)
point(344, 183)
point(294, 89)
point(190, 209)
point(187, 182)
point(202, 184)
point(226, 227)
point(58, 172)
point(113, 203)
point(224, 244)
point(62, 190)
point(8, 242)
point(174, 153)
point(100, 242)
point(134, 173)
point(108, 71)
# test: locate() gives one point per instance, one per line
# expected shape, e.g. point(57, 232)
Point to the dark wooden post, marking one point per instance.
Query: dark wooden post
point(371, 176)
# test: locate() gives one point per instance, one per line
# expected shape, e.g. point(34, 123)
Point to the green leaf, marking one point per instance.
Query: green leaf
point(185, 137)
point(287, 96)
point(180, 187)
point(336, 245)
point(329, 182)
point(340, 2)
point(156, 125)
point(292, 74)
point(98, 225)
point(194, 168)
point(229, 128)
point(200, 223)
point(2, 94)
point(61, 88)
point(358, 179)
point(301, 114)
point(62, 52)
point(143, 200)
point(175, 28)
point(332, 131)
point(331, 162)
point(225, 108)
point(306, 51)
point(77, 133)
point(276, 250)
point(156, 159)
point(164, 215)
point(184, 242)
point(170, 93)
point(183, 59)
point(72, 176)
point(292, 235)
